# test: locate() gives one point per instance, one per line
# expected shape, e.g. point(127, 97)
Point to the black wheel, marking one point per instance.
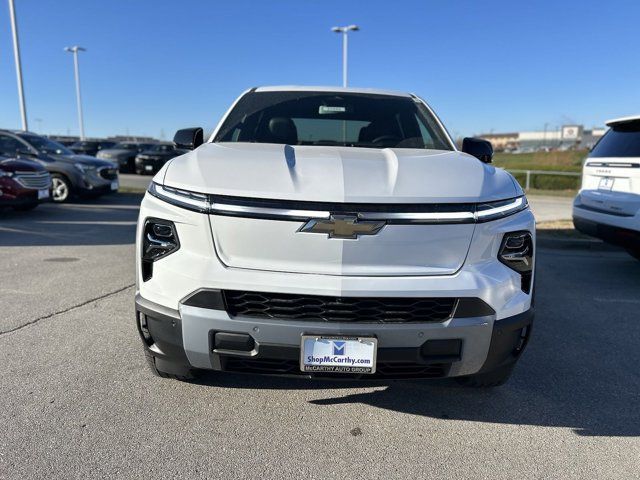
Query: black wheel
point(634, 252)
point(178, 372)
point(139, 171)
point(25, 208)
point(61, 188)
point(494, 378)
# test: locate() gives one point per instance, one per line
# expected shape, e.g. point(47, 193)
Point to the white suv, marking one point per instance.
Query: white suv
point(608, 205)
point(334, 232)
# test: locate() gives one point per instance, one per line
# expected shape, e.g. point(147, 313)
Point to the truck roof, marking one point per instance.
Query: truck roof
point(300, 88)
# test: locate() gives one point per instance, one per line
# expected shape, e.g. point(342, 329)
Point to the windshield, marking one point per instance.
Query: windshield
point(341, 119)
point(622, 140)
point(45, 145)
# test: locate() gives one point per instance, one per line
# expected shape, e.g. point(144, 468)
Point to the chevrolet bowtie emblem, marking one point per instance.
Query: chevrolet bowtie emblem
point(342, 226)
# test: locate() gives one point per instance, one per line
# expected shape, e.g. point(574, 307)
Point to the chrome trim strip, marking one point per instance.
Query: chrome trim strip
point(33, 180)
point(612, 165)
point(263, 211)
point(419, 216)
point(468, 213)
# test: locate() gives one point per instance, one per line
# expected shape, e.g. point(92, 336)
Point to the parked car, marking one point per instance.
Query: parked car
point(151, 160)
point(91, 147)
point(70, 173)
point(124, 154)
point(608, 204)
point(66, 143)
point(23, 184)
point(334, 232)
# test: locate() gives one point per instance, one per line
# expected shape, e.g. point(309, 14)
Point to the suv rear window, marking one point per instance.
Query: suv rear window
point(333, 118)
point(621, 140)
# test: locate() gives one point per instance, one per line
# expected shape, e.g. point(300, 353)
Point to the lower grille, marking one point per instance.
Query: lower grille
point(35, 180)
point(338, 309)
point(292, 367)
point(108, 173)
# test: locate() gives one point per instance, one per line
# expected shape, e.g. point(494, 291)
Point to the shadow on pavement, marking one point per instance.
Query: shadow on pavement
point(108, 220)
point(580, 370)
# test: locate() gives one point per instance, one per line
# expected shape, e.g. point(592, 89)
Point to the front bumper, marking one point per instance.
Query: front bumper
point(94, 184)
point(622, 229)
point(149, 165)
point(185, 338)
point(182, 334)
point(12, 194)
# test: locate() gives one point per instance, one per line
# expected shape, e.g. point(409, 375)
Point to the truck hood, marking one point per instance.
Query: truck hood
point(337, 174)
point(341, 175)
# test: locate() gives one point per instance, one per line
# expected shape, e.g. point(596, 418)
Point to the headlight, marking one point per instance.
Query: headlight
point(159, 239)
point(198, 202)
point(5, 174)
point(516, 252)
point(84, 168)
point(503, 208)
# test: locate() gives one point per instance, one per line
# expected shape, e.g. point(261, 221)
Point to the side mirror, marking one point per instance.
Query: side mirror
point(479, 148)
point(189, 138)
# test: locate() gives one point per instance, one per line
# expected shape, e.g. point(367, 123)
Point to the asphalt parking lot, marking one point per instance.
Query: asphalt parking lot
point(78, 402)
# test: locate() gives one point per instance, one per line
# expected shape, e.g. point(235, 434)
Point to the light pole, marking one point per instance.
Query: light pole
point(75, 49)
point(16, 55)
point(345, 46)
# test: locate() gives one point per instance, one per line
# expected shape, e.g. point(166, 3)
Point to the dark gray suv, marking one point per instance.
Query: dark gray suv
point(70, 173)
point(124, 154)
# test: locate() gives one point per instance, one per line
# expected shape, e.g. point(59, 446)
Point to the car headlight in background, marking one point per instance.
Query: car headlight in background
point(84, 168)
point(516, 252)
point(159, 239)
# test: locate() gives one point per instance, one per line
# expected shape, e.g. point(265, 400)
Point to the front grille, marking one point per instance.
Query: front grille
point(35, 180)
point(108, 173)
point(292, 367)
point(338, 309)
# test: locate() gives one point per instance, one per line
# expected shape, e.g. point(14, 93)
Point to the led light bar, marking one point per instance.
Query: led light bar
point(242, 210)
point(438, 213)
point(493, 210)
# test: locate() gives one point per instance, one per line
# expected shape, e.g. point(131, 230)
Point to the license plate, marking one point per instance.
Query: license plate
point(606, 183)
point(42, 194)
point(114, 185)
point(148, 168)
point(338, 354)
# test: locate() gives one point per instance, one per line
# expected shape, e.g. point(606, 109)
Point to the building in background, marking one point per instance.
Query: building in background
point(566, 137)
point(502, 141)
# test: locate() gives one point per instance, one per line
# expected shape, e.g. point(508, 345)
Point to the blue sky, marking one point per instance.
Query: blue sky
point(155, 66)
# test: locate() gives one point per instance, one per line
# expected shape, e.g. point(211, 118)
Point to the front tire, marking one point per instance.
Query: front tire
point(491, 379)
point(61, 188)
